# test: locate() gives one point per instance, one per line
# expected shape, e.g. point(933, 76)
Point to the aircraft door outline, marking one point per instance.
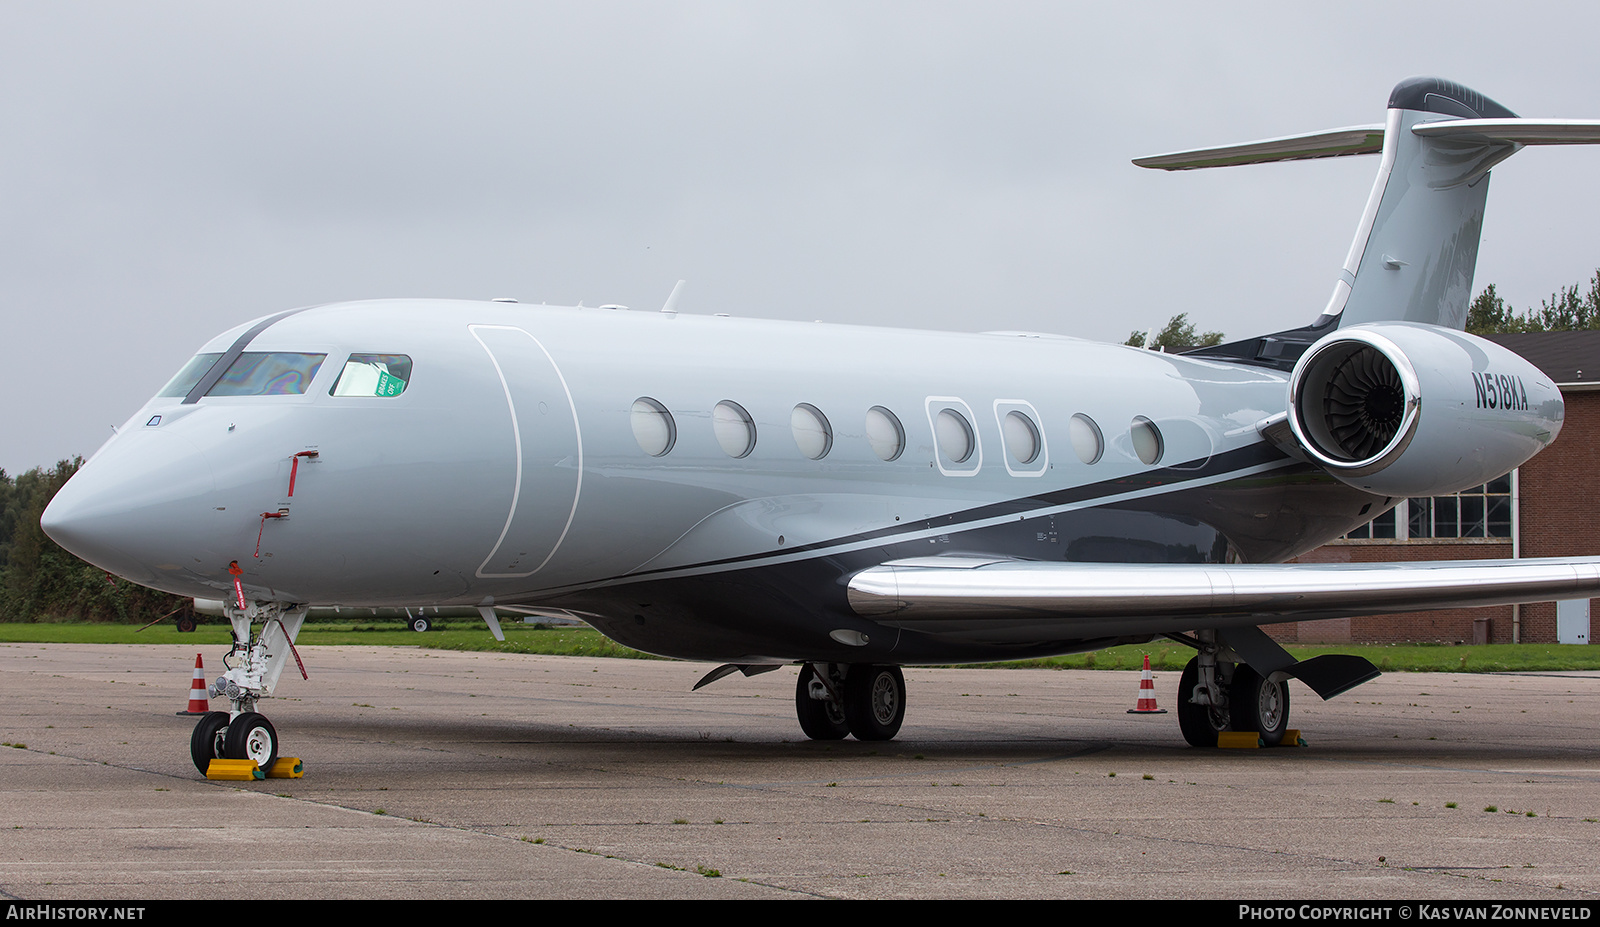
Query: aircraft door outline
point(545, 441)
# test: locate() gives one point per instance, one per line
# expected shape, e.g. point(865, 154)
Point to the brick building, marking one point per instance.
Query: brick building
point(1549, 507)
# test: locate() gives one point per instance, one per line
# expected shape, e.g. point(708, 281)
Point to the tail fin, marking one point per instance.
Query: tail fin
point(1416, 248)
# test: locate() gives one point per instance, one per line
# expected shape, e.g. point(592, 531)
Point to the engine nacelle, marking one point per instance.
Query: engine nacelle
point(1403, 409)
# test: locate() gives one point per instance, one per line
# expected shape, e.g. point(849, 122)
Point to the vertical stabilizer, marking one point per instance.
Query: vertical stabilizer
point(1417, 245)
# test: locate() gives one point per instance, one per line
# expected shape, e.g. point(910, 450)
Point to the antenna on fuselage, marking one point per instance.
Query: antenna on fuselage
point(671, 304)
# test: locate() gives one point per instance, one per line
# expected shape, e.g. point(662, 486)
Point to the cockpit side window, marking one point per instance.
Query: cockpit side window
point(268, 374)
point(373, 375)
point(188, 376)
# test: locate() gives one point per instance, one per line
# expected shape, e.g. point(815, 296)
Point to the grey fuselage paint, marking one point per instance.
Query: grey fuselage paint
point(523, 482)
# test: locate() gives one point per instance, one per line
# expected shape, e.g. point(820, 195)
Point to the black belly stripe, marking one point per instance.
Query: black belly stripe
point(1217, 465)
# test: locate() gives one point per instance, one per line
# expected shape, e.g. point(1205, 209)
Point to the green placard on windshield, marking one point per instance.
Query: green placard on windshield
point(389, 385)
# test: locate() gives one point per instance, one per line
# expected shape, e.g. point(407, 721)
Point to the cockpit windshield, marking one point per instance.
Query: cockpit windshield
point(268, 374)
point(188, 376)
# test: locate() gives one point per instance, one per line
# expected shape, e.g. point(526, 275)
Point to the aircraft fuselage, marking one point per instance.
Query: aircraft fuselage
point(508, 470)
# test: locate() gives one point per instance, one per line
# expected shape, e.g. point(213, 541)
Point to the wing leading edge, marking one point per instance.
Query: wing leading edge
point(936, 593)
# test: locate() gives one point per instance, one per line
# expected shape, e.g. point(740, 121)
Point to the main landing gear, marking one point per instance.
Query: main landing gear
point(867, 701)
point(254, 665)
point(1215, 696)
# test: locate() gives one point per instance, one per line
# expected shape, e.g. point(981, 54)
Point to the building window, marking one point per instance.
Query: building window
point(1480, 512)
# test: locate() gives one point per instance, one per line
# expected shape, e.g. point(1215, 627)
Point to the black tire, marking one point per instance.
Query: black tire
point(820, 719)
point(252, 737)
point(186, 624)
point(420, 624)
point(1200, 725)
point(206, 743)
point(874, 701)
point(1257, 704)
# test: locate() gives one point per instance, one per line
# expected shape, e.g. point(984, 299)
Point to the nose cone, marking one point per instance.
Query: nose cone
point(131, 510)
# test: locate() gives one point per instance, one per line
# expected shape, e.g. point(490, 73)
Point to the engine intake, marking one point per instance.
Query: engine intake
point(1355, 402)
point(1404, 409)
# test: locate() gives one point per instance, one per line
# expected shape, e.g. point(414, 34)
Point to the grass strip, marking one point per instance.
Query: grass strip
point(586, 642)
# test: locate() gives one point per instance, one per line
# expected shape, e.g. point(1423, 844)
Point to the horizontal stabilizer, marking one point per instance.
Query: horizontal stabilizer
point(1158, 597)
point(1329, 143)
point(1520, 131)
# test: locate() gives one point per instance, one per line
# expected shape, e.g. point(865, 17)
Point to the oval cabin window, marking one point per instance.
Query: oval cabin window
point(812, 433)
point(884, 433)
point(1021, 437)
point(1087, 441)
point(1146, 439)
point(954, 435)
point(653, 427)
point(735, 430)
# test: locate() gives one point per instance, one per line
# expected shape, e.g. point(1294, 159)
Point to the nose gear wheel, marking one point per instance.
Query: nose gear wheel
point(207, 741)
point(252, 737)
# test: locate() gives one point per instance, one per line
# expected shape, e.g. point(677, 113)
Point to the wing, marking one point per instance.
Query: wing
point(936, 594)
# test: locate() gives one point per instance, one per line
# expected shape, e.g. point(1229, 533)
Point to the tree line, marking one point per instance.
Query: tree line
point(1569, 309)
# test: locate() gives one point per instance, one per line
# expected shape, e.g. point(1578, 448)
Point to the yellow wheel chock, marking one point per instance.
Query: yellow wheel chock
point(1251, 740)
point(287, 767)
point(237, 770)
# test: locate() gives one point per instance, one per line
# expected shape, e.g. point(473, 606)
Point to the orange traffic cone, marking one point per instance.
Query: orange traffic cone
point(1147, 694)
point(199, 699)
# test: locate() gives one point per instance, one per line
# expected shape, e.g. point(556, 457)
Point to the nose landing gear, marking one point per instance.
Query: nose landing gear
point(253, 665)
point(218, 736)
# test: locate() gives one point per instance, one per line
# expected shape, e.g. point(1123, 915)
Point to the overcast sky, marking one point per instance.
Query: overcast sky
point(168, 170)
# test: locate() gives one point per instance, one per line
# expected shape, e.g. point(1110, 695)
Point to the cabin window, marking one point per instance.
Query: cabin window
point(373, 375)
point(1087, 441)
point(1021, 437)
point(1146, 439)
point(953, 433)
point(268, 374)
point(884, 433)
point(653, 427)
point(189, 375)
point(735, 430)
point(812, 434)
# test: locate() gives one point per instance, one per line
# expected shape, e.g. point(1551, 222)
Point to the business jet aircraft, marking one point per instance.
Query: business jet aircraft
point(853, 499)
